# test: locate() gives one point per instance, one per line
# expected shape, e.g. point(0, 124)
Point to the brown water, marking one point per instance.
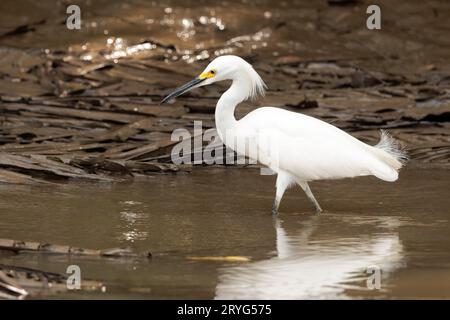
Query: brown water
point(402, 228)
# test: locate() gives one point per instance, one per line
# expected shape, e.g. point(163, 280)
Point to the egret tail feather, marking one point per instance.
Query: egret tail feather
point(398, 156)
point(391, 154)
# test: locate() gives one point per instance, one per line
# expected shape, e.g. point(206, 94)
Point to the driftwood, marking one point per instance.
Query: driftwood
point(18, 283)
point(77, 114)
point(18, 246)
point(10, 289)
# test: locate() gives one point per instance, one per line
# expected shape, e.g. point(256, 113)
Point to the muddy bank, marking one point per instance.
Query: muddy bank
point(85, 104)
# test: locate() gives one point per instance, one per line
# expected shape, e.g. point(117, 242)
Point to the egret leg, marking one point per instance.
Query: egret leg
point(310, 195)
point(283, 182)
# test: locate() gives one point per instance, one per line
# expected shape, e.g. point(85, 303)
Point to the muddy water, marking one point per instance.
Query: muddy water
point(401, 228)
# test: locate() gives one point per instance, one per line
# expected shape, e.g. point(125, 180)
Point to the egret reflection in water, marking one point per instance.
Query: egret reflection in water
point(304, 268)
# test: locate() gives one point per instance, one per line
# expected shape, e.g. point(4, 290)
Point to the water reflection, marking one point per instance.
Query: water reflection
point(307, 266)
point(131, 217)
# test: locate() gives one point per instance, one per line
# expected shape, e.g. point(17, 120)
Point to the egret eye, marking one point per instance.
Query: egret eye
point(207, 74)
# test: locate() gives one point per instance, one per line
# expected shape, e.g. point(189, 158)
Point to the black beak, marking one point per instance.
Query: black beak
point(179, 91)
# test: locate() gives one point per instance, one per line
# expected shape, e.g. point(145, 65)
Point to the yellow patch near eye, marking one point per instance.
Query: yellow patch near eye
point(207, 75)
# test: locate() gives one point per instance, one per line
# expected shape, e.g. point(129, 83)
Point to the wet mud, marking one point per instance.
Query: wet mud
point(85, 103)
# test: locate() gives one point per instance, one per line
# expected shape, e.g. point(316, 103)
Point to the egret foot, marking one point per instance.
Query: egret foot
point(310, 195)
point(275, 207)
point(283, 181)
point(318, 210)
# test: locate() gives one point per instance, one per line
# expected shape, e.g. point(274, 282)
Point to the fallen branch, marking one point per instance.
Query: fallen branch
point(18, 246)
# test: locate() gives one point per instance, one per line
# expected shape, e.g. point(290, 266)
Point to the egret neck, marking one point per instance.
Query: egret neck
point(224, 114)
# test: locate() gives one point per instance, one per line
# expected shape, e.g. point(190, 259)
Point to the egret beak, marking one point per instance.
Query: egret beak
point(183, 89)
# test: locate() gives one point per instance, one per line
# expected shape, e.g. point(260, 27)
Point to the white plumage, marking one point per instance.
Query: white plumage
point(299, 148)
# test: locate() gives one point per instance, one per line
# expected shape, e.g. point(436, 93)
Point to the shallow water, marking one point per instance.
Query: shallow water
point(402, 228)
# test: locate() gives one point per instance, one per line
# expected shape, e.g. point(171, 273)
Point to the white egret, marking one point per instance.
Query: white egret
point(299, 148)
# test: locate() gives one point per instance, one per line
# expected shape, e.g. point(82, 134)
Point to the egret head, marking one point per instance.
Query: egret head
point(225, 68)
